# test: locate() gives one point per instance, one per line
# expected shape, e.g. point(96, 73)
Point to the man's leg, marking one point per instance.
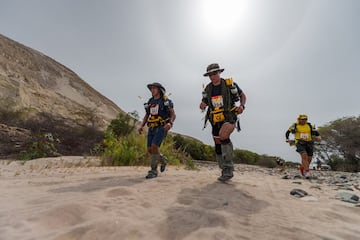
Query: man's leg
point(309, 159)
point(301, 170)
point(309, 154)
point(158, 140)
point(159, 135)
point(150, 138)
point(227, 155)
point(218, 153)
point(154, 159)
point(300, 148)
point(305, 164)
point(304, 160)
point(163, 160)
point(227, 151)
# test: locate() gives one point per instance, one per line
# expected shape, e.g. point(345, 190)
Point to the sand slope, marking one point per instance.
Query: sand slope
point(53, 201)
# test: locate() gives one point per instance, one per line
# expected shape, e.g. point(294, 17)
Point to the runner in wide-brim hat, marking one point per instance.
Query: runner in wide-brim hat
point(158, 85)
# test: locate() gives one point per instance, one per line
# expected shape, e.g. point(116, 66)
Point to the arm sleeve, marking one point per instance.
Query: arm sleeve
point(287, 134)
point(290, 129)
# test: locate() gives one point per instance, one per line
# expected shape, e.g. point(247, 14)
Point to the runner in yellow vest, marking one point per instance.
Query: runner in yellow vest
point(305, 134)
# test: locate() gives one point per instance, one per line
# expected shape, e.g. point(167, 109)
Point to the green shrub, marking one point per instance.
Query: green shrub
point(122, 125)
point(338, 163)
point(130, 150)
point(43, 145)
point(266, 161)
point(245, 156)
point(251, 158)
point(125, 151)
point(195, 149)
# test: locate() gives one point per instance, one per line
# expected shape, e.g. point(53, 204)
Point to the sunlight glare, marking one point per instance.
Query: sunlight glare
point(223, 17)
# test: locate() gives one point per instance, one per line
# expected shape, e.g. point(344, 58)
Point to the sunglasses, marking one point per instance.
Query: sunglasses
point(303, 118)
point(213, 73)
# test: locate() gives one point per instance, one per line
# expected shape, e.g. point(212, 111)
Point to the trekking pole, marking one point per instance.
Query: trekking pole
point(204, 95)
point(205, 118)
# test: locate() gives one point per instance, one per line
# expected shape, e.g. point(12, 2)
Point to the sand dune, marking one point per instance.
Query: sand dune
point(51, 200)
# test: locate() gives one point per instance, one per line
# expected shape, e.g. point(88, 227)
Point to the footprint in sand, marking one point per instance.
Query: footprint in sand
point(62, 216)
point(117, 192)
point(205, 207)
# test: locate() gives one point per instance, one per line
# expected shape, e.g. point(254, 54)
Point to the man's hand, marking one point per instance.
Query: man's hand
point(140, 130)
point(318, 138)
point(202, 106)
point(167, 126)
point(239, 109)
point(287, 140)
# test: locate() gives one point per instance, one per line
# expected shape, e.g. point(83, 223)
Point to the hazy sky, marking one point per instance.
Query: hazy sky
point(289, 57)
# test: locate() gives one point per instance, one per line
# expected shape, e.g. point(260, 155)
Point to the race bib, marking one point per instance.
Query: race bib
point(217, 101)
point(154, 109)
point(304, 136)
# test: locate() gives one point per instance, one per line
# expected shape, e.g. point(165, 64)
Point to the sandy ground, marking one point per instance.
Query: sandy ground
point(54, 200)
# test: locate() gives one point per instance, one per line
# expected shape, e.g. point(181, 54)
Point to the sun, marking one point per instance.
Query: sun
point(223, 17)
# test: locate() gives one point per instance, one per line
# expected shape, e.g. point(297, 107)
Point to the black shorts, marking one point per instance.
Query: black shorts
point(217, 126)
point(216, 129)
point(307, 147)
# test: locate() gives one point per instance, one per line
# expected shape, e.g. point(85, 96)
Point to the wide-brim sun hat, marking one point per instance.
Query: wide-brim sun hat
point(156, 84)
point(214, 67)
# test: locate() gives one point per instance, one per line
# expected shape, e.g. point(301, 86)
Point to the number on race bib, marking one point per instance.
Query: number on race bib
point(304, 136)
point(154, 110)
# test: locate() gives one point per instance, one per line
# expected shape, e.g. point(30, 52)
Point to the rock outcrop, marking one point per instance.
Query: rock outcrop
point(39, 94)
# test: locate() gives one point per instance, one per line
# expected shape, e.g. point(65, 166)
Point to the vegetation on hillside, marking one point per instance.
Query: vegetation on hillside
point(121, 145)
point(195, 149)
point(251, 158)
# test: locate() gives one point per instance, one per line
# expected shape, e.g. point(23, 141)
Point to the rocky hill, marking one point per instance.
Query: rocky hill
point(38, 94)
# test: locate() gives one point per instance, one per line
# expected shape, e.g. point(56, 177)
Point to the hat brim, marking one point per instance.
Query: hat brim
point(153, 85)
point(214, 70)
